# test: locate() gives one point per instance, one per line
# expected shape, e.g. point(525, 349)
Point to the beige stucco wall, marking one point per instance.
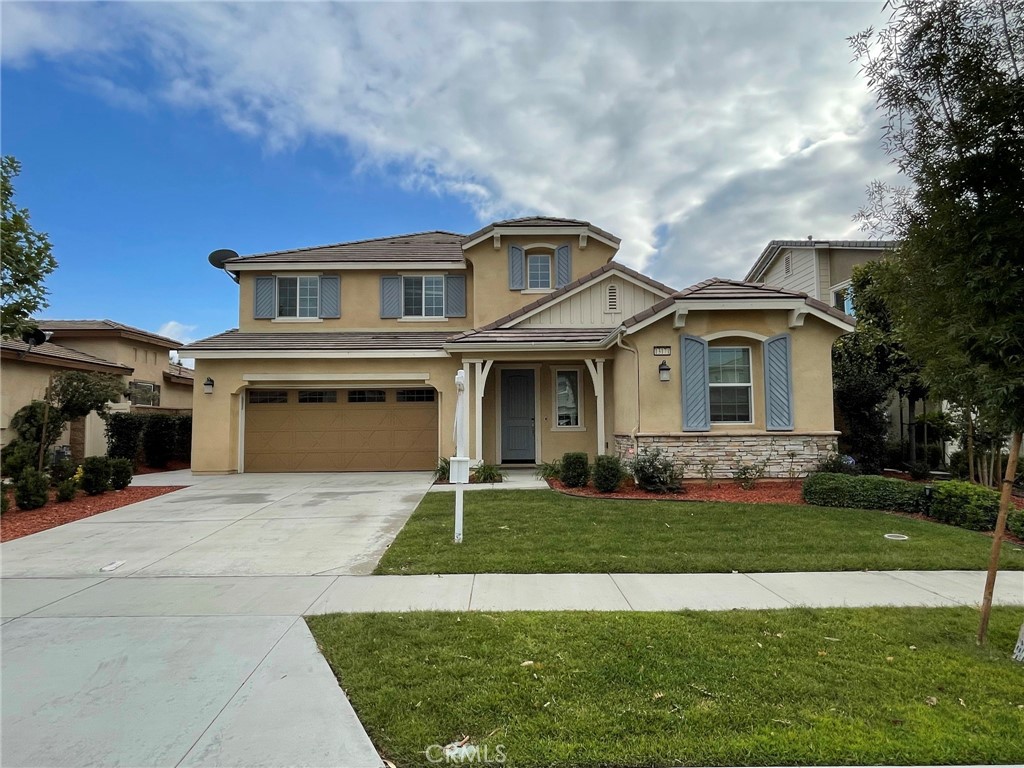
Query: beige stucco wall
point(493, 299)
point(661, 402)
point(842, 261)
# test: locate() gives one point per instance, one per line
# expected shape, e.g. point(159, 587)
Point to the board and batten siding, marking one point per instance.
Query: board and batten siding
point(588, 308)
point(801, 277)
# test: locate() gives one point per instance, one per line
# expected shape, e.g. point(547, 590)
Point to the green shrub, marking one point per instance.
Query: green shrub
point(828, 489)
point(747, 475)
point(958, 464)
point(158, 439)
point(124, 435)
point(183, 438)
point(19, 455)
point(919, 470)
point(487, 473)
point(608, 473)
point(120, 473)
point(655, 472)
point(965, 505)
point(61, 470)
point(1015, 523)
point(5, 503)
point(32, 489)
point(838, 464)
point(95, 475)
point(66, 489)
point(443, 470)
point(575, 469)
point(549, 470)
point(707, 471)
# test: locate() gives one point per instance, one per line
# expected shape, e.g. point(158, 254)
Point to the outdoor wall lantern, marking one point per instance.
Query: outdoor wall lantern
point(664, 372)
point(208, 386)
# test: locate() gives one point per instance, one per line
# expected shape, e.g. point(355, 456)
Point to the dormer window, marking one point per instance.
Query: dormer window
point(538, 270)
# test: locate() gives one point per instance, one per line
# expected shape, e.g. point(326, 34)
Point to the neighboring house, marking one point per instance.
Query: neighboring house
point(105, 346)
point(345, 357)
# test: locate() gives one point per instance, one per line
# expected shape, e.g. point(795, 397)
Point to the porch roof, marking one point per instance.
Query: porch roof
point(235, 340)
point(532, 338)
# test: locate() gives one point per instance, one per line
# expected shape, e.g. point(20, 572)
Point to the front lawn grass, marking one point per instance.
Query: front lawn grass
point(790, 687)
point(548, 532)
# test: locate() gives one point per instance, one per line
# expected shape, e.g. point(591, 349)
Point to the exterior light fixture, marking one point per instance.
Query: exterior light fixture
point(664, 372)
point(208, 386)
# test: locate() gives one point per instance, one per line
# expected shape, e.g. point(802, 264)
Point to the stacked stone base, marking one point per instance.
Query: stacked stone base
point(787, 454)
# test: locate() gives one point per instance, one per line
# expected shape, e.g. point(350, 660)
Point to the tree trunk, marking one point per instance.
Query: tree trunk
point(971, 474)
point(997, 536)
point(912, 428)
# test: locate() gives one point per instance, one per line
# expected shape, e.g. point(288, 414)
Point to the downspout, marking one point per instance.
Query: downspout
point(636, 356)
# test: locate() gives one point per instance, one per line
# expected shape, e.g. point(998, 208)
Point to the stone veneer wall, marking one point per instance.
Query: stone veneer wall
point(789, 454)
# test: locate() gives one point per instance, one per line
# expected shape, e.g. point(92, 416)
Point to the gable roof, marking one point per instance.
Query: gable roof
point(774, 246)
point(719, 289)
point(535, 222)
point(60, 356)
point(556, 296)
point(71, 328)
point(436, 246)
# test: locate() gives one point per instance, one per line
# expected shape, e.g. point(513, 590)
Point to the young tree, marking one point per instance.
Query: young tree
point(25, 259)
point(948, 75)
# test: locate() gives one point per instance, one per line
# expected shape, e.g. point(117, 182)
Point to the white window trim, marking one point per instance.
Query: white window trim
point(581, 426)
point(749, 385)
point(278, 318)
point(837, 287)
point(424, 318)
point(550, 256)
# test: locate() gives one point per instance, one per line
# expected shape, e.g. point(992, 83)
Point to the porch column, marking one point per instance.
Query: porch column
point(596, 368)
point(483, 367)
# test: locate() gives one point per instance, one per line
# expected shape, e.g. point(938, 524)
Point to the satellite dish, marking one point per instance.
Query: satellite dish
point(35, 337)
point(220, 257)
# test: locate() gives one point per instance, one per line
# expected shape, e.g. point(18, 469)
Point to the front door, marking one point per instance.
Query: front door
point(517, 416)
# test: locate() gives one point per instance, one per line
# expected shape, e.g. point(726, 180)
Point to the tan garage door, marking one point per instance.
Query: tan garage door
point(337, 430)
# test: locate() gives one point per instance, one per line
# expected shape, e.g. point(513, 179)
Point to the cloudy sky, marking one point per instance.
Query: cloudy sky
point(153, 133)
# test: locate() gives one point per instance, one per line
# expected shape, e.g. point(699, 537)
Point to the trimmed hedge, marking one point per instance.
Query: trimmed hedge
point(66, 489)
point(32, 489)
point(95, 475)
point(827, 489)
point(965, 505)
point(608, 473)
point(120, 474)
point(1015, 523)
point(150, 438)
point(575, 469)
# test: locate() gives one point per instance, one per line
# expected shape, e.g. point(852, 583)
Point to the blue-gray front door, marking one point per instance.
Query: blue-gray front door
point(517, 416)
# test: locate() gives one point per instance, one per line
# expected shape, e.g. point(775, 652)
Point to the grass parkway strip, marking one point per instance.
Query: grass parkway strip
point(547, 532)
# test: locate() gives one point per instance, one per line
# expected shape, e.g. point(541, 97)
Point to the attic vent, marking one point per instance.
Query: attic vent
point(789, 263)
point(612, 298)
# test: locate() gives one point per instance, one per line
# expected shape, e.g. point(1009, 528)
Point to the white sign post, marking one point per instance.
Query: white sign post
point(458, 468)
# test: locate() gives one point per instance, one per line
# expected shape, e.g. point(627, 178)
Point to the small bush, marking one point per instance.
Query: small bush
point(5, 503)
point(838, 464)
point(19, 455)
point(575, 469)
point(707, 471)
point(549, 470)
point(865, 492)
point(747, 475)
point(965, 505)
point(655, 472)
point(95, 475)
point(32, 489)
point(158, 439)
point(608, 473)
point(487, 473)
point(443, 470)
point(120, 474)
point(1015, 523)
point(919, 470)
point(66, 489)
point(61, 470)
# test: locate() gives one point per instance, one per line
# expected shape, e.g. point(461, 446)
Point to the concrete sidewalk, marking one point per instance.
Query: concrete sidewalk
point(664, 592)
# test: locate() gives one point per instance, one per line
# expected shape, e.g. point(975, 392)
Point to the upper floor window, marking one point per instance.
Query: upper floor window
point(730, 385)
point(842, 298)
point(538, 269)
point(423, 296)
point(143, 393)
point(298, 296)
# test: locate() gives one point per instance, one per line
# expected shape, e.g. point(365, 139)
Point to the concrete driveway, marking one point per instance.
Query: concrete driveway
point(191, 651)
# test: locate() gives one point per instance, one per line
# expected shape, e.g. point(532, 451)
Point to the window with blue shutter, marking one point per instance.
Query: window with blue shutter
point(778, 383)
point(330, 296)
point(563, 266)
point(390, 296)
point(516, 267)
point(696, 402)
point(455, 296)
point(263, 298)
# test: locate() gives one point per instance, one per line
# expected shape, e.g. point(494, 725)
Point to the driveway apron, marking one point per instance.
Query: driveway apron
point(169, 632)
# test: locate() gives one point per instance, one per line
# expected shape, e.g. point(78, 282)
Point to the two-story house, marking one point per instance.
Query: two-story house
point(345, 357)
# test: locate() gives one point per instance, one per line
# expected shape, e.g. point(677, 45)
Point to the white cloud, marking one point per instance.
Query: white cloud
point(182, 332)
point(696, 132)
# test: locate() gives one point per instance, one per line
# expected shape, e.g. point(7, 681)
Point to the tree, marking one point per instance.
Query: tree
point(26, 260)
point(948, 77)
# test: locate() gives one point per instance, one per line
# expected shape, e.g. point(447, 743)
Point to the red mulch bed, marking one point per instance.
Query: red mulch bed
point(17, 523)
point(764, 492)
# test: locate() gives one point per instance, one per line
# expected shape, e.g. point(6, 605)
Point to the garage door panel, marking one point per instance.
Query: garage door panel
point(331, 437)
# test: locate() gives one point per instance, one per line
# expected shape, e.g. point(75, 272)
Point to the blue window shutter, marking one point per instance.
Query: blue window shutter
point(778, 383)
point(330, 296)
point(516, 267)
point(696, 399)
point(454, 295)
point(563, 266)
point(390, 296)
point(263, 299)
